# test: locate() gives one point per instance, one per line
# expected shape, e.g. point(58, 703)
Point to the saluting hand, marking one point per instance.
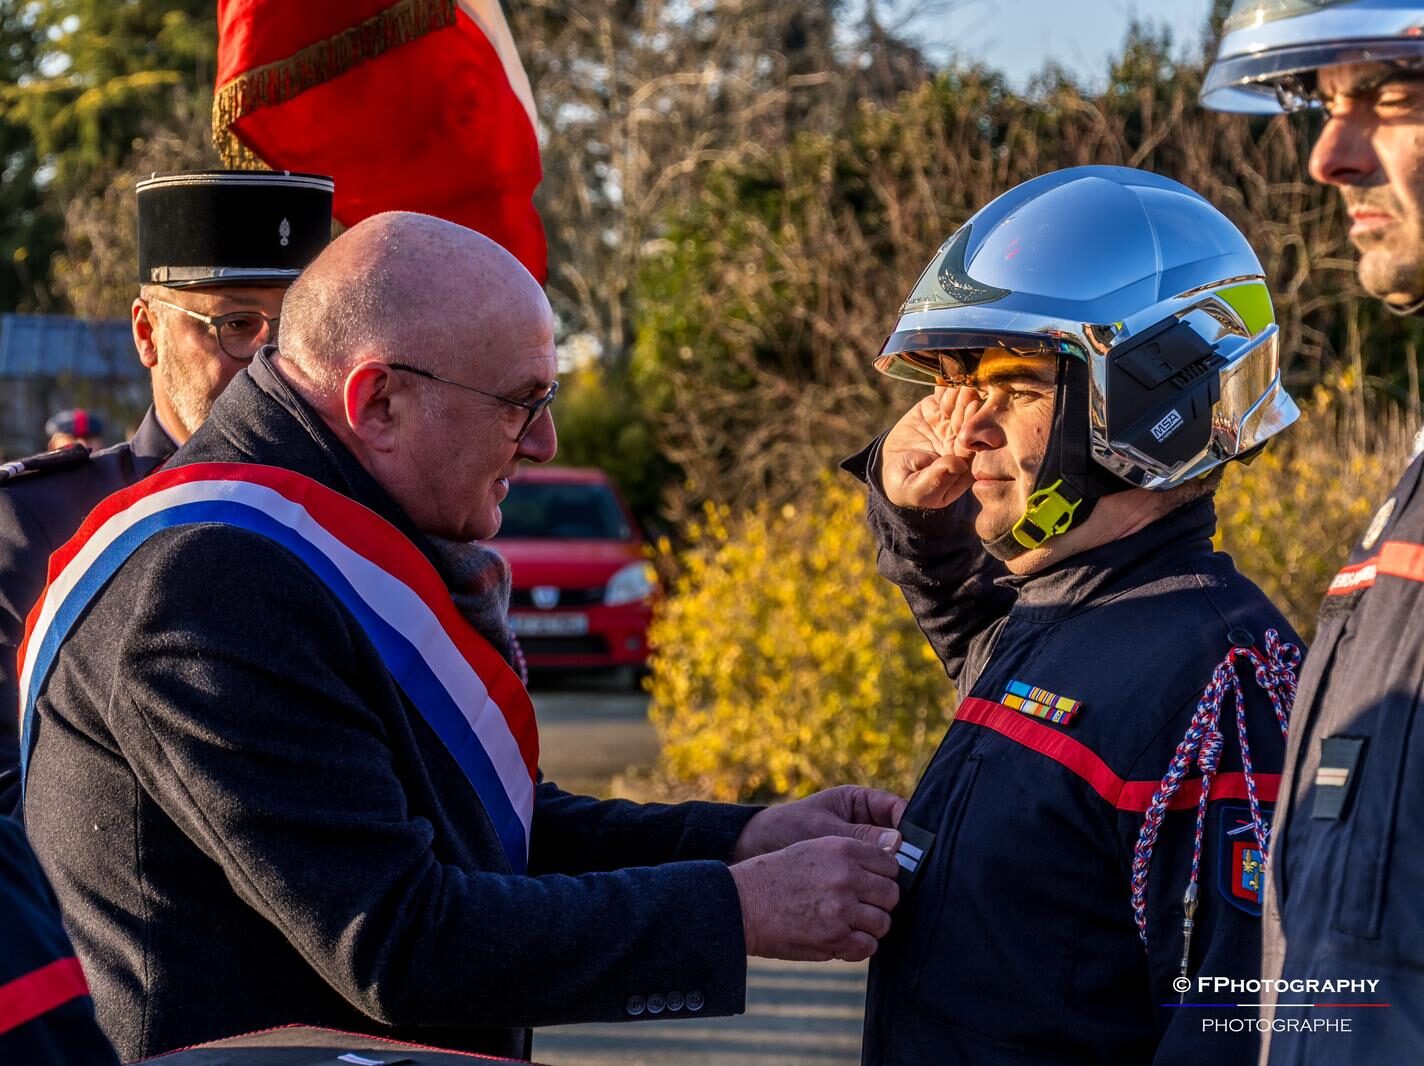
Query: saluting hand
point(922, 462)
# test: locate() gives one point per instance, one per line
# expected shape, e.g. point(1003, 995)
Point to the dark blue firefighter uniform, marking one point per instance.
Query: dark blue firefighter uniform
point(39, 511)
point(1348, 865)
point(46, 1015)
point(1018, 944)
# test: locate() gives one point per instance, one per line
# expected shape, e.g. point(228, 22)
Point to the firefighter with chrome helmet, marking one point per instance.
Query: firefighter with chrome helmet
point(1347, 877)
point(1089, 838)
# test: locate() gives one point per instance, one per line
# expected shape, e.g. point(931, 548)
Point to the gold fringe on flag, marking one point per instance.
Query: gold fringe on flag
point(276, 83)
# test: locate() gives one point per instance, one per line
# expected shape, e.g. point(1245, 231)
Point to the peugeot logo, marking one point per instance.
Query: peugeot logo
point(544, 596)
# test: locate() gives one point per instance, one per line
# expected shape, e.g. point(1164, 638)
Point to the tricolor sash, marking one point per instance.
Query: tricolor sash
point(456, 680)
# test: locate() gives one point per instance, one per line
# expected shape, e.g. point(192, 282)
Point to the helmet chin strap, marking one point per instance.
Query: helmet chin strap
point(1069, 483)
point(1404, 310)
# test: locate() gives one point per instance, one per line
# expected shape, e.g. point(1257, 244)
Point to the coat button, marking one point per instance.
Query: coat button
point(1240, 638)
point(657, 1003)
point(636, 1005)
point(674, 1001)
point(694, 1001)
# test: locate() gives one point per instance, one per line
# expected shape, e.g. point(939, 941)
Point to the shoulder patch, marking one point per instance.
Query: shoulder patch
point(70, 455)
point(1241, 874)
point(1377, 524)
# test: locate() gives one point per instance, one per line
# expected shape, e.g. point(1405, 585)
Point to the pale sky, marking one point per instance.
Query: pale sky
point(1018, 36)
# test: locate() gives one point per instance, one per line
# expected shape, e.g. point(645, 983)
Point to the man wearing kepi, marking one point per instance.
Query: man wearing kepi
point(216, 249)
point(276, 772)
point(1347, 868)
point(1092, 829)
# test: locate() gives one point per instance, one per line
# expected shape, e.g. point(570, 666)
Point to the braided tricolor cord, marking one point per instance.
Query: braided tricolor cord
point(1202, 747)
point(520, 664)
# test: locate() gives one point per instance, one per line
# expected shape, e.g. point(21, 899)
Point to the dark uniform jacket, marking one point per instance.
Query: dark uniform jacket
point(1018, 943)
point(1346, 900)
point(248, 824)
point(45, 1012)
point(39, 511)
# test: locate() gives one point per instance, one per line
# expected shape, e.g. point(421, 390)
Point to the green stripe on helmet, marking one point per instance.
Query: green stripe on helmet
point(1252, 302)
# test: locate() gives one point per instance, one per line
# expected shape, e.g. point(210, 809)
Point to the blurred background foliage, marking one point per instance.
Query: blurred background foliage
point(738, 194)
point(784, 663)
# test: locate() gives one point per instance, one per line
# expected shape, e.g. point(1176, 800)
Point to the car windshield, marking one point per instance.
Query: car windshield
point(543, 510)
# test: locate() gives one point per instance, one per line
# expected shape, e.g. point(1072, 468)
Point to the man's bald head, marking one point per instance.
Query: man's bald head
point(443, 303)
point(407, 287)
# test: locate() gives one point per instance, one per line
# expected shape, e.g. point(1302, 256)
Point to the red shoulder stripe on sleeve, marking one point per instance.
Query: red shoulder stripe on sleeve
point(40, 991)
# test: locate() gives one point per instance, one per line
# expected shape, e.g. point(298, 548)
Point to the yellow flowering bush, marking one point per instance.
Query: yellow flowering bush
point(782, 663)
point(1290, 518)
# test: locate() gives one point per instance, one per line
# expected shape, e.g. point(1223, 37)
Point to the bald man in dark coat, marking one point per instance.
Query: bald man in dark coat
point(250, 820)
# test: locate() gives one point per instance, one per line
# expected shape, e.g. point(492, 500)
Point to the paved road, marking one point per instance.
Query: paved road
point(590, 729)
point(798, 1014)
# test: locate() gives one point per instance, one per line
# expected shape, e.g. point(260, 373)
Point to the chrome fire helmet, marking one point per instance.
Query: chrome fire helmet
point(1155, 308)
point(1271, 49)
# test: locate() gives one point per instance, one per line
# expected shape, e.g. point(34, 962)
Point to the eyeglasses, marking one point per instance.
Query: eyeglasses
point(240, 334)
point(534, 408)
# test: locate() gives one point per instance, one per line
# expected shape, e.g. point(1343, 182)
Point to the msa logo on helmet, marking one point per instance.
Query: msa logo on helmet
point(1165, 428)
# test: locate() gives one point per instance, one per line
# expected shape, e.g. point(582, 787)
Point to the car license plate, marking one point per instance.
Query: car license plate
point(564, 624)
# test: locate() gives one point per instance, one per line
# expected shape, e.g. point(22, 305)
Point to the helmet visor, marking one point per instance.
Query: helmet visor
point(1283, 79)
point(1245, 13)
point(949, 357)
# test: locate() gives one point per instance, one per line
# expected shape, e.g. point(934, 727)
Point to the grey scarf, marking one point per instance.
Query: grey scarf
point(478, 580)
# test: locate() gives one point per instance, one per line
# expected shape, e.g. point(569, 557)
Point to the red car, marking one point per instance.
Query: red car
point(583, 586)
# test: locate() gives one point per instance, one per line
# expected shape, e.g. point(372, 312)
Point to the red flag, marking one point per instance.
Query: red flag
point(415, 105)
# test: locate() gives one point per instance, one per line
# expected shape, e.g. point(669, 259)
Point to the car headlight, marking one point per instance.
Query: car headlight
point(636, 581)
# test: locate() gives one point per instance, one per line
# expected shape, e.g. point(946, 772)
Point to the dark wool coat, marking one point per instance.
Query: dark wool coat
point(1018, 945)
point(248, 824)
point(39, 511)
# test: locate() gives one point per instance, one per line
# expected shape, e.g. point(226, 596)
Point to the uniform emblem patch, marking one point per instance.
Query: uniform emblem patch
point(1377, 524)
point(1041, 703)
point(1242, 874)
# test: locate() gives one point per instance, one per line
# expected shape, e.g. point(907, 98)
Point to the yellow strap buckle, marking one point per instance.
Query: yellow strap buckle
point(1047, 515)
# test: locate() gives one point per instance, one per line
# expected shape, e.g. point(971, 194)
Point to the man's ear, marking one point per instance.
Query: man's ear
point(143, 330)
point(374, 399)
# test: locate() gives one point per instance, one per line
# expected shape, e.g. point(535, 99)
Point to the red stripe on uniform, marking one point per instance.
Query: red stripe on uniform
point(40, 991)
point(1399, 558)
point(1077, 757)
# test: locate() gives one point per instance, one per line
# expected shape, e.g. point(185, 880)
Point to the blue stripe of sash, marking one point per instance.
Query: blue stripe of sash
point(400, 656)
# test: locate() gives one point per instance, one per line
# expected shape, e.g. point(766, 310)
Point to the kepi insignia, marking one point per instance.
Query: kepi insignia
point(285, 232)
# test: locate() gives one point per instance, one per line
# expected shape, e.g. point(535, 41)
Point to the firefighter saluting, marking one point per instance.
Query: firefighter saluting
point(1092, 829)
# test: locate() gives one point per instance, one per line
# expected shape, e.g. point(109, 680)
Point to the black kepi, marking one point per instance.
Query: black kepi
point(230, 227)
